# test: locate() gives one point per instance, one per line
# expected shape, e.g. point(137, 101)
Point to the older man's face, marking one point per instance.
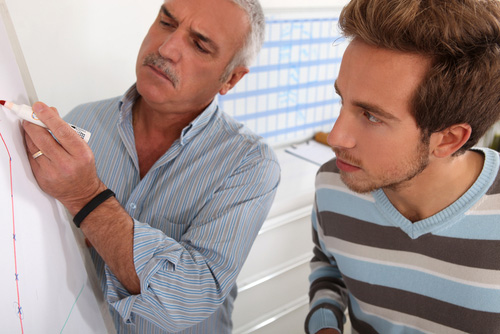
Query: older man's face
point(186, 51)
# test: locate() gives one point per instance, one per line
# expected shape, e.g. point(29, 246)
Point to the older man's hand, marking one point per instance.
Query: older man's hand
point(65, 168)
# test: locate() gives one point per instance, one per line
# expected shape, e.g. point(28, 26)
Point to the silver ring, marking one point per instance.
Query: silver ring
point(37, 154)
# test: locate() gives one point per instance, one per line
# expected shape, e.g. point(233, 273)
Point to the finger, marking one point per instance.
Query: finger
point(39, 139)
point(31, 147)
point(61, 130)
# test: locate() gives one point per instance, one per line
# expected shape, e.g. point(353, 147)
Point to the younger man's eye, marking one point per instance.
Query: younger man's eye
point(371, 118)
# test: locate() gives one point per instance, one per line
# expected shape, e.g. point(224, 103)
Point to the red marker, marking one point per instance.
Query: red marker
point(25, 112)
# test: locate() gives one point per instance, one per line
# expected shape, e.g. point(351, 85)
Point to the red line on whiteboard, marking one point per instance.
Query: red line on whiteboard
point(14, 236)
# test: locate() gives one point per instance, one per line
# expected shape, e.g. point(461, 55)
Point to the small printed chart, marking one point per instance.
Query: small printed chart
point(289, 93)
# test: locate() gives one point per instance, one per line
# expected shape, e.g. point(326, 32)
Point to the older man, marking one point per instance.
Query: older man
point(192, 186)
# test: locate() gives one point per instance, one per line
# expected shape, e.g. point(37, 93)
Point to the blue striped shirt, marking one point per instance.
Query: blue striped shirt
point(437, 275)
point(196, 213)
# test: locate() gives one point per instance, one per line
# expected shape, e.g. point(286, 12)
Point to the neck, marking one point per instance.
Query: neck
point(155, 130)
point(437, 187)
point(157, 121)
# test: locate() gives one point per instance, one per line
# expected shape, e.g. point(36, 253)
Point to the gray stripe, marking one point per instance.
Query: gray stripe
point(483, 278)
point(359, 326)
point(449, 315)
point(466, 252)
point(495, 187)
point(329, 167)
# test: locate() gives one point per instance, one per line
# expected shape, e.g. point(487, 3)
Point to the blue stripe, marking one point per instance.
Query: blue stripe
point(281, 21)
point(344, 203)
point(480, 227)
point(324, 271)
point(274, 90)
point(308, 41)
point(404, 279)
point(299, 108)
point(325, 122)
point(294, 65)
point(381, 325)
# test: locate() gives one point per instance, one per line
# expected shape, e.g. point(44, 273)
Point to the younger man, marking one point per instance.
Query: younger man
point(407, 217)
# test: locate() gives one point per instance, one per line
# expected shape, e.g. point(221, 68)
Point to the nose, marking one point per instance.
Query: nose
point(171, 47)
point(342, 134)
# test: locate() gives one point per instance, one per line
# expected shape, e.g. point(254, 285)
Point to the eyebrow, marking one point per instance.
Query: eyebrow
point(167, 13)
point(212, 45)
point(372, 109)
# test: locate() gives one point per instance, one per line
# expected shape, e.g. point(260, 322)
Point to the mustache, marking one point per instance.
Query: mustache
point(346, 157)
point(163, 66)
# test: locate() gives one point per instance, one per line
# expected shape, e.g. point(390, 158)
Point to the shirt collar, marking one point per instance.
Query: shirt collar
point(190, 131)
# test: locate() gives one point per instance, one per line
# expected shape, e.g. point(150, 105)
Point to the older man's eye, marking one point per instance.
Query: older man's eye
point(200, 47)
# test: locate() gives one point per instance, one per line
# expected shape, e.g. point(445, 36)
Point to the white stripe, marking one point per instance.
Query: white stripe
point(329, 180)
point(488, 205)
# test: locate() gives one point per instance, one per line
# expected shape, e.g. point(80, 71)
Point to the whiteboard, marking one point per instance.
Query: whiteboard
point(48, 284)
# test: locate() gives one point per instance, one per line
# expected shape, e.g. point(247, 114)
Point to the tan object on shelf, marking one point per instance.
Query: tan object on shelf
point(320, 137)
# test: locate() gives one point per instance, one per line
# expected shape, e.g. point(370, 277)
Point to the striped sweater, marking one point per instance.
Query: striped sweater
point(438, 275)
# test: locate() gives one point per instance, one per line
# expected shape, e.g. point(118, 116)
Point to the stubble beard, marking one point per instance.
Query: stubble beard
point(393, 179)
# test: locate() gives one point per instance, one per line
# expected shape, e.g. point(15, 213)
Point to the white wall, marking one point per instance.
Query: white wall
point(79, 51)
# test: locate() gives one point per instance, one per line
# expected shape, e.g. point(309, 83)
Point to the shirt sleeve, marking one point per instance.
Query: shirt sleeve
point(327, 291)
point(183, 283)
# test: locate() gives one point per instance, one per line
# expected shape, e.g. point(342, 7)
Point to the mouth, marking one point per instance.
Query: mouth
point(160, 67)
point(346, 167)
point(161, 74)
point(158, 71)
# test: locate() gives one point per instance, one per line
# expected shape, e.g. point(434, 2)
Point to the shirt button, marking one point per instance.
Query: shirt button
point(133, 206)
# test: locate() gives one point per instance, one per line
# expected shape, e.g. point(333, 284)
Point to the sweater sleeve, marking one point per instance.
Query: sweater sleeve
point(327, 291)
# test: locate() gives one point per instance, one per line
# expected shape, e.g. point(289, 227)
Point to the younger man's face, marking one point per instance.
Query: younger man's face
point(376, 138)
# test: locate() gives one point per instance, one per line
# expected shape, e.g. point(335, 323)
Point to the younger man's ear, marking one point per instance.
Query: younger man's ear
point(446, 142)
point(236, 75)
